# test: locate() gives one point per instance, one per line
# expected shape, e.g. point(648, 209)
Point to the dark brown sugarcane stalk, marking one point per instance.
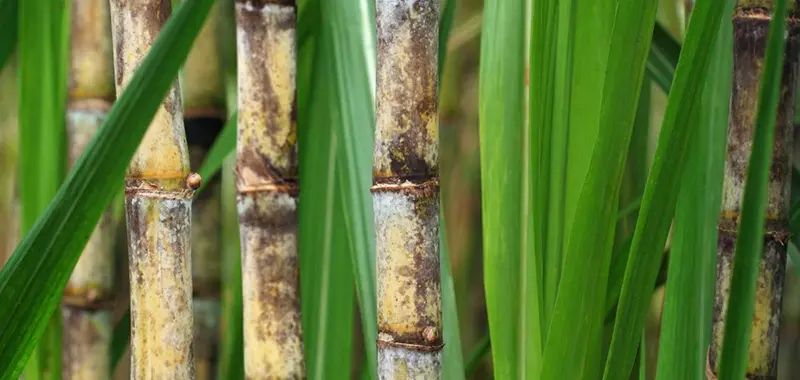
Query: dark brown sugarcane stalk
point(89, 295)
point(406, 190)
point(267, 174)
point(158, 193)
point(204, 105)
point(750, 24)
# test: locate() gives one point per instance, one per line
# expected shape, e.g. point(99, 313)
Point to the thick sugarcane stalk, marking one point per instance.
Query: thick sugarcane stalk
point(405, 193)
point(158, 193)
point(267, 188)
point(89, 295)
point(204, 109)
point(750, 24)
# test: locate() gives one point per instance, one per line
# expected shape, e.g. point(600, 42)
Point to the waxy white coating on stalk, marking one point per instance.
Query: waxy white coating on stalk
point(273, 347)
point(407, 241)
point(87, 337)
point(266, 171)
point(92, 279)
point(161, 287)
point(401, 363)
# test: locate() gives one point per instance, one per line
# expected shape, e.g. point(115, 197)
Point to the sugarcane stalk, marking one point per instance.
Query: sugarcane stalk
point(267, 187)
point(158, 193)
point(89, 295)
point(750, 24)
point(204, 109)
point(405, 193)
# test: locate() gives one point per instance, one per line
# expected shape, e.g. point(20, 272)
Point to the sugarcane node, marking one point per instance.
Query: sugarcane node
point(194, 181)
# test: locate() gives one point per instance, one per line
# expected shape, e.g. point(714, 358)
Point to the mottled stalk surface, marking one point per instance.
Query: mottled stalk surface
point(751, 24)
point(406, 190)
point(158, 192)
point(267, 187)
point(89, 295)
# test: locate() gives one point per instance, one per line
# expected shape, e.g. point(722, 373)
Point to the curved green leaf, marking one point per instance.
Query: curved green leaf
point(663, 187)
point(52, 247)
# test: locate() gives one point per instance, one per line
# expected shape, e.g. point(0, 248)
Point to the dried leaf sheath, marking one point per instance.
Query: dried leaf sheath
point(406, 190)
point(89, 295)
point(266, 172)
point(158, 209)
point(204, 109)
point(751, 23)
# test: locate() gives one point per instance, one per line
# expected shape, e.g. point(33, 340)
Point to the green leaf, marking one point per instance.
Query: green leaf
point(342, 103)
point(43, 32)
point(120, 339)
point(749, 245)
point(8, 29)
point(579, 308)
point(445, 26)
point(452, 358)
point(505, 187)
point(477, 355)
point(686, 317)
point(231, 348)
point(54, 243)
point(663, 186)
point(663, 59)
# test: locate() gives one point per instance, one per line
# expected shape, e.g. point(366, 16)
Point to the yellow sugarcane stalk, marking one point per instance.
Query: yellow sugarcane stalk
point(267, 188)
point(750, 25)
point(158, 193)
point(204, 109)
point(89, 295)
point(406, 190)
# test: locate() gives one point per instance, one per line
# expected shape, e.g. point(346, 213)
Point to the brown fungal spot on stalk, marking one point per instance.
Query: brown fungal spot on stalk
point(267, 128)
point(407, 125)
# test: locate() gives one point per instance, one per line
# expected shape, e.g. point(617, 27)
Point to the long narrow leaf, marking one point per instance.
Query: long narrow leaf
point(343, 91)
point(686, 318)
point(663, 186)
point(749, 245)
point(505, 187)
point(579, 307)
point(53, 245)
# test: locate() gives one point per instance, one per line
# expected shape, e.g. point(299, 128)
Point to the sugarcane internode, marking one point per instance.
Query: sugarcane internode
point(89, 295)
point(158, 211)
point(751, 25)
point(267, 186)
point(406, 190)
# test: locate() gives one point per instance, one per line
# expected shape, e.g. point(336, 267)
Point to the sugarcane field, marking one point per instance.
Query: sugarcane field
point(400, 189)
